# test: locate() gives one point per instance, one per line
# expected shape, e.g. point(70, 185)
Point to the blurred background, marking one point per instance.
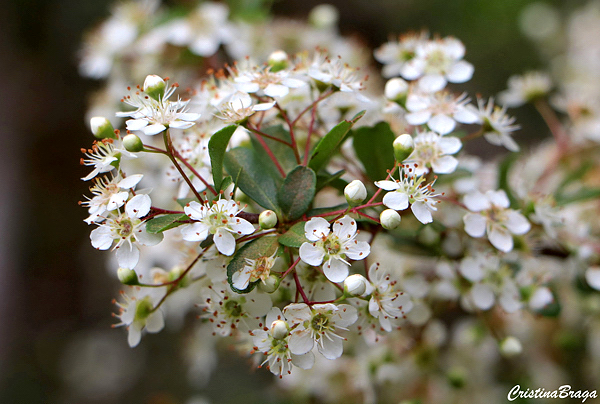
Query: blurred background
point(56, 341)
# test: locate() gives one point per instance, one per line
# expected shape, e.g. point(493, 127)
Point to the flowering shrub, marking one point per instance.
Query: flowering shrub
point(273, 192)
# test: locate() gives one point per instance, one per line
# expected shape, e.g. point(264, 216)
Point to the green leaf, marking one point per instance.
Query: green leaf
point(373, 147)
point(264, 246)
point(294, 237)
point(324, 179)
point(284, 153)
point(165, 222)
point(217, 145)
point(579, 196)
point(330, 142)
point(252, 178)
point(297, 192)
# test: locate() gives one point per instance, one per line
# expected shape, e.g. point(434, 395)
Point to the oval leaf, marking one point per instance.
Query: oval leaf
point(165, 222)
point(261, 247)
point(297, 192)
point(373, 147)
point(217, 145)
point(294, 237)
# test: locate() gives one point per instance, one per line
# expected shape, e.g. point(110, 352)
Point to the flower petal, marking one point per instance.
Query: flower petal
point(421, 212)
point(335, 270)
point(224, 241)
point(396, 200)
point(311, 254)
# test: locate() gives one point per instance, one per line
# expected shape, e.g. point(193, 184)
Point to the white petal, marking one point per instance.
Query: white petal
point(311, 254)
point(155, 322)
point(134, 336)
point(117, 200)
point(498, 198)
point(335, 270)
point(441, 124)
point(241, 226)
point(592, 276)
point(241, 279)
point(444, 165)
point(421, 212)
point(432, 83)
point(396, 200)
point(276, 90)
point(180, 125)
point(357, 250)
point(461, 71)
point(297, 313)
point(101, 238)
point(476, 202)
point(138, 206)
point(387, 185)
point(194, 232)
point(136, 124)
point(224, 241)
point(316, 228)
point(300, 342)
point(153, 129)
point(128, 255)
point(148, 239)
point(188, 116)
point(417, 102)
point(517, 223)
point(130, 182)
point(450, 144)
point(331, 348)
point(465, 115)
point(541, 298)
point(195, 210)
point(264, 106)
point(304, 361)
point(500, 238)
point(418, 118)
point(344, 228)
point(475, 224)
point(483, 296)
point(347, 315)
point(471, 270)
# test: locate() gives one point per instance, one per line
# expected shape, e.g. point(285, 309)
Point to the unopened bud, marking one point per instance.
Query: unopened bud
point(133, 143)
point(457, 377)
point(278, 60)
point(396, 89)
point(403, 147)
point(127, 276)
point(270, 284)
point(267, 219)
point(355, 192)
point(510, 346)
point(390, 219)
point(323, 16)
point(279, 329)
point(102, 128)
point(154, 86)
point(355, 285)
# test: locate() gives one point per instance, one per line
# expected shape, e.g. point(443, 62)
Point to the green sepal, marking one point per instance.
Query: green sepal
point(297, 192)
point(294, 237)
point(165, 222)
point(252, 177)
point(374, 148)
point(264, 246)
point(331, 142)
point(217, 146)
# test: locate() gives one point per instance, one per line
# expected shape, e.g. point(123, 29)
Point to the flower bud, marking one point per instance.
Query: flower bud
point(270, 284)
point(355, 192)
point(133, 143)
point(154, 86)
point(102, 128)
point(279, 329)
point(127, 276)
point(390, 219)
point(396, 89)
point(355, 285)
point(403, 147)
point(457, 377)
point(510, 346)
point(267, 219)
point(278, 60)
point(323, 16)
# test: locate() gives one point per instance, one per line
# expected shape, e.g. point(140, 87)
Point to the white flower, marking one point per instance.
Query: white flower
point(410, 190)
point(397, 56)
point(154, 114)
point(127, 230)
point(274, 343)
point(108, 195)
point(440, 62)
point(494, 218)
point(433, 150)
point(440, 111)
point(332, 248)
point(386, 304)
point(239, 107)
point(338, 74)
point(102, 156)
point(496, 125)
point(525, 88)
point(218, 219)
point(137, 313)
point(254, 270)
point(318, 324)
point(263, 81)
point(228, 311)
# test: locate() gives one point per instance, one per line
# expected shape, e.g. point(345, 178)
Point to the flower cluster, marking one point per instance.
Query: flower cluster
point(275, 202)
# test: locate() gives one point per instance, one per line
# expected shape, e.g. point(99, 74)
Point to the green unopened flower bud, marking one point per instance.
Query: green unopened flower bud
point(279, 329)
point(270, 284)
point(154, 86)
point(390, 219)
point(396, 89)
point(457, 377)
point(510, 346)
point(403, 147)
point(355, 192)
point(267, 219)
point(127, 276)
point(278, 60)
point(102, 128)
point(133, 143)
point(323, 16)
point(355, 285)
